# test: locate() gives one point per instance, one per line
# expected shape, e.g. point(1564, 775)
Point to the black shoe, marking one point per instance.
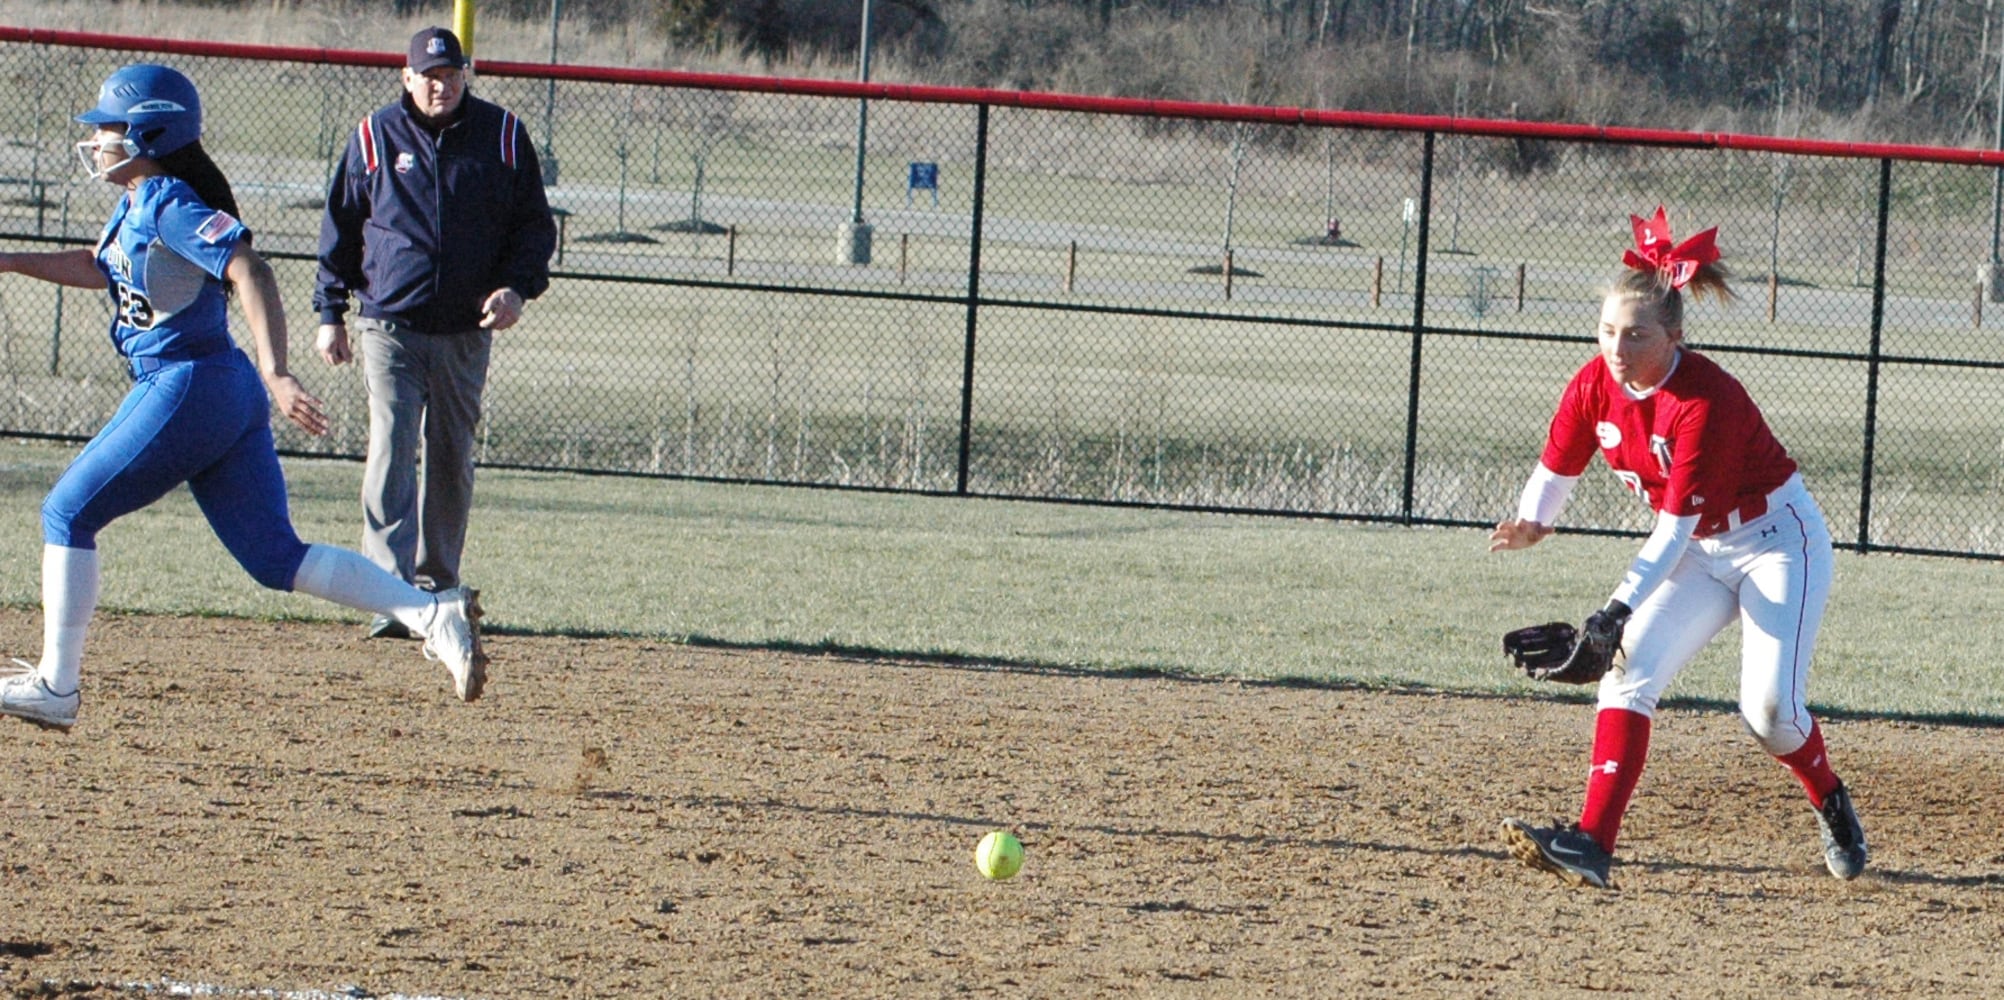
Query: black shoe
point(1564, 851)
point(1843, 837)
point(385, 627)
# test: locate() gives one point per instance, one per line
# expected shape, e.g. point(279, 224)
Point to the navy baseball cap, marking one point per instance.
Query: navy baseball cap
point(435, 47)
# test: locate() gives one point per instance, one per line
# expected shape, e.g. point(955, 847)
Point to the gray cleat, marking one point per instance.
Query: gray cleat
point(24, 696)
point(454, 638)
point(1564, 851)
point(1843, 837)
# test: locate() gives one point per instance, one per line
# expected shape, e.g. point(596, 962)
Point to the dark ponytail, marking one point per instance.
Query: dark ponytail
point(191, 163)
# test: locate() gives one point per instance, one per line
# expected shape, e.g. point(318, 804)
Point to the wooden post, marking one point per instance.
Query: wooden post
point(1071, 265)
point(904, 254)
point(1228, 276)
point(1773, 294)
point(731, 252)
point(1520, 287)
point(1378, 283)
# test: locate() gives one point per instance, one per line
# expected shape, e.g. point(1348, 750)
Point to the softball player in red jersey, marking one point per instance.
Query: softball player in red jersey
point(1736, 535)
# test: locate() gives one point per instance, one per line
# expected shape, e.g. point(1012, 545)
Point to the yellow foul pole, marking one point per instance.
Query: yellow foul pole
point(462, 25)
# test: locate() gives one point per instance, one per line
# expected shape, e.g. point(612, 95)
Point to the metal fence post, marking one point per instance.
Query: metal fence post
point(1872, 359)
point(56, 327)
point(549, 158)
point(973, 296)
point(1419, 329)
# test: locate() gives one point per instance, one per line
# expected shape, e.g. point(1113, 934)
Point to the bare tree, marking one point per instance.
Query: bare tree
point(709, 117)
point(1888, 23)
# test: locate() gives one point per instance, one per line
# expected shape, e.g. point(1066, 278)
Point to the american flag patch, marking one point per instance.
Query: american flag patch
point(215, 227)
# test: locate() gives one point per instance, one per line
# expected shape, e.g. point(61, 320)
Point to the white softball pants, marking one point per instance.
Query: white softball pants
point(1774, 574)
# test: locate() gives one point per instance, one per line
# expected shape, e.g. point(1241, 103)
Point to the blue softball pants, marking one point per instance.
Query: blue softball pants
point(207, 423)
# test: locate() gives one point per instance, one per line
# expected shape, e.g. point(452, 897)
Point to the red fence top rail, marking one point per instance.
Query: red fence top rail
point(1374, 121)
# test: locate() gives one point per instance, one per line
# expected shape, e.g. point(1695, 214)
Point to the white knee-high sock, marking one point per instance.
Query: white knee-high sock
point(69, 598)
point(347, 578)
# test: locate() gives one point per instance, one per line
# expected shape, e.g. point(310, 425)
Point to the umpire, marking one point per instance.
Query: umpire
point(438, 226)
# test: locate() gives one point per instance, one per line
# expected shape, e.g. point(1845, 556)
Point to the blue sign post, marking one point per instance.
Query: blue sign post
point(923, 177)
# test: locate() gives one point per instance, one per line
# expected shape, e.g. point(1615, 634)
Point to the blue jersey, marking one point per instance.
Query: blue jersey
point(163, 253)
point(197, 412)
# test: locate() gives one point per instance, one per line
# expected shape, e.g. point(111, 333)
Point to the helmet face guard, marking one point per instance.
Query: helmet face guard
point(159, 107)
point(87, 151)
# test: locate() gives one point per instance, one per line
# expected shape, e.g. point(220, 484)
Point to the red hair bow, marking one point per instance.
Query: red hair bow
point(1654, 252)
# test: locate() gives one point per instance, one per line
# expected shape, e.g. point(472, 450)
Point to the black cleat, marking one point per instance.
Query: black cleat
point(1843, 837)
point(385, 627)
point(1564, 851)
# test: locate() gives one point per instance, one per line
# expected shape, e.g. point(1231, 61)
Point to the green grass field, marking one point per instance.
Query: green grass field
point(1041, 585)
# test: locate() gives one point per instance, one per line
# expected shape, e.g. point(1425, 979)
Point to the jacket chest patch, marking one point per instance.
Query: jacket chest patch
point(405, 162)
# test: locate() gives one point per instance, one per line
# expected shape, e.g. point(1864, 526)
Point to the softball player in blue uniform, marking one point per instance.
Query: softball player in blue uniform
point(171, 256)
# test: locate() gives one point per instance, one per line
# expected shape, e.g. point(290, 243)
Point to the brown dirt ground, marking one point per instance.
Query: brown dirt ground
point(286, 806)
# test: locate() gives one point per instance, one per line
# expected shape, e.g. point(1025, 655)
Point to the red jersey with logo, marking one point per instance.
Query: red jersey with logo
point(1696, 444)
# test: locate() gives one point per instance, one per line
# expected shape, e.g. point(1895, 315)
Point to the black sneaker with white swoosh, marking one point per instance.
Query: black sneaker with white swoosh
point(1564, 851)
point(1843, 836)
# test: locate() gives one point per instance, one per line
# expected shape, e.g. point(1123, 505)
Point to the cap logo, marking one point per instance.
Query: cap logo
point(436, 46)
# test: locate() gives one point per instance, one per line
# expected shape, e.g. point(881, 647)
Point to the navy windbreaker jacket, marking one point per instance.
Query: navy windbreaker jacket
point(421, 228)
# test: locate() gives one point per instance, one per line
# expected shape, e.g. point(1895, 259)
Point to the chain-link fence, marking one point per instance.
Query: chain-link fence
point(1097, 302)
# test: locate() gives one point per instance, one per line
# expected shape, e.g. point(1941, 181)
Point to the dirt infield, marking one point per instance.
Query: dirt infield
point(284, 806)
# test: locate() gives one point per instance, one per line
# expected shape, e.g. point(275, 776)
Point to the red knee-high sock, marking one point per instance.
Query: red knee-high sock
point(1812, 766)
point(1620, 744)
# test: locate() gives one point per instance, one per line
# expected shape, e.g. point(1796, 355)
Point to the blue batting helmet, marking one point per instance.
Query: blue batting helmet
point(157, 105)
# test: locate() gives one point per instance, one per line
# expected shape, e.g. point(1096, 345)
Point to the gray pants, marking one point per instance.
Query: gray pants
point(424, 401)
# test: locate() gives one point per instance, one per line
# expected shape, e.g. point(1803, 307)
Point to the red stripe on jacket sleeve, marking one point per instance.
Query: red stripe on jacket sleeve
point(367, 133)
